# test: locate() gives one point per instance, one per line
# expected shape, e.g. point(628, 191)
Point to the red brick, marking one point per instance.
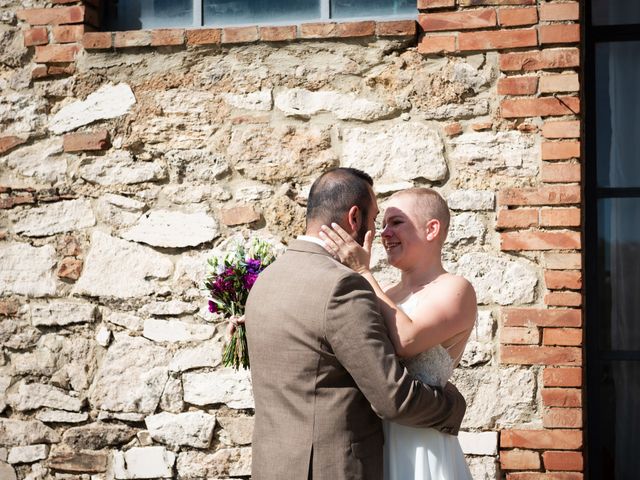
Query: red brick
point(35, 36)
point(562, 336)
point(167, 36)
point(52, 16)
point(239, 215)
point(521, 317)
point(565, 461)
point(498, 39)
point(430, 4)
point(473, 3)
point(562, 397)
point(563, 261)
point(134, 38)
point(541, 439)
point(204, 36)
point(70, 268)
point(437, 44)
point(481, 126)
point(8, 308)
point(560, 217)
point(356, 29)
point(519, 336)
point(545, 476)
point(559, 83)
point(560, 172)
point(56, 53)
point(278, 34)
point(318, 30)
point(96, 40)
point(563, 299)
point(68, 69)
point(81, 141)
point(519, 460)
point(562, 377)
point(536, 240)
point(465, 20)
point(39, 71)
point(397, 28)
point(540, 59)
point(10, 142)
point(557, 12)
point(520, 218)
point(453, 129)
point(511, 17)
point(239, 34)
point(517, 86)
point(563, 33)
point(539, 107)
point(554, 129)
point(535, 355)
point(547, 195)
point(560, 279)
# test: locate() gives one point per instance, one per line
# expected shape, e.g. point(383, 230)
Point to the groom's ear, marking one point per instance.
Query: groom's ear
point(354, 219)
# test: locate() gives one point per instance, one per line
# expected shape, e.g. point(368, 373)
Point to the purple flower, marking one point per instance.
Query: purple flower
point(254, 265)
point(249, 280)
point(213, 308)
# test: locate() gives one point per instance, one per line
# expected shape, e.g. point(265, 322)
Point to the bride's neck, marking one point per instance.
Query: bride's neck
point(418, 276)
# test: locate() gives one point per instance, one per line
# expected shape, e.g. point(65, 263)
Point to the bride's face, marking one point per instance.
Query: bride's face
point(402, 237)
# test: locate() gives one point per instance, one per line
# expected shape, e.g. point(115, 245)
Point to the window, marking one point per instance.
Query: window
point(138, 14)
point(612, 248)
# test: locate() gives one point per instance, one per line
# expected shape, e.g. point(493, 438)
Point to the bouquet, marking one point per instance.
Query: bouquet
point(228, 281)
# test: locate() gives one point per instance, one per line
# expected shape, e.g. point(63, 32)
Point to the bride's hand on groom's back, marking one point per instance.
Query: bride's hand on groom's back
point(339, 243)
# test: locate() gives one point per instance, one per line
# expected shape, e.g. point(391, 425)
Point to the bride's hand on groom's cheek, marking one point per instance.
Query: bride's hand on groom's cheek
point(339, 243)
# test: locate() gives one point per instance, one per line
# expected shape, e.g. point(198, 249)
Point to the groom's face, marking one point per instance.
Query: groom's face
point(368, 219)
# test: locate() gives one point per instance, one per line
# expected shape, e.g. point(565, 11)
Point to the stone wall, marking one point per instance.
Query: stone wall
point(127, 159)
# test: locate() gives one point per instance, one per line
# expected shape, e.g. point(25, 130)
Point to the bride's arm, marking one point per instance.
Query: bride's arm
point(451, 310)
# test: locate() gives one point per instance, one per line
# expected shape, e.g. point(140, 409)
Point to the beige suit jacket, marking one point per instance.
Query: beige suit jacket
point(324, 372)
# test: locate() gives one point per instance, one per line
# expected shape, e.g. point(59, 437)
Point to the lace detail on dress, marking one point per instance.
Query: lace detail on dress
point(433, 367)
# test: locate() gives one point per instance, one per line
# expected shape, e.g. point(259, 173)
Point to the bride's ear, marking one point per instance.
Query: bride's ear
point(432, 229)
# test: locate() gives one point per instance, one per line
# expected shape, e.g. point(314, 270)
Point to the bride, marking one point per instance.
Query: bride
point(429, 315)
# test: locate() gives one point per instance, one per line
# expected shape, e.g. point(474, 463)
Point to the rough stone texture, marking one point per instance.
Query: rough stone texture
point(471, 200)
point(28, 454)
point(223, 463)
point(27, 270)
point(398, 152)
point(78, 462)
point(54, 218)
point(193, 429)
point(143, 462)
point(7, 472)
point(96, 436)
point(61, 416)
point(236, 430)
point(120, 168)
point(109, 101)
point(162, 228)
point(479, 443)
point(125, 320)
point(31, 396)
point(465, 228)
point(170, 308)
point(222, 386)
point(171, 399)
point(207, 354)
point(104, 273)
point(261, 100)
point(118, 210)
point(61, 313)
point(25, 432)
point(176, 331)
point(38, 165)
point(483, 468)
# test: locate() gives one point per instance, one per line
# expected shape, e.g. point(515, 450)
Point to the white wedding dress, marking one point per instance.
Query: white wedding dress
point(424, 453)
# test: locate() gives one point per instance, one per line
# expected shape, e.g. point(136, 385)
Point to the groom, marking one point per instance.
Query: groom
point(322, 366)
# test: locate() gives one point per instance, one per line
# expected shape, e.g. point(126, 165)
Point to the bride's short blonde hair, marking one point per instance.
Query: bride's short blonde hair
point(429, 204)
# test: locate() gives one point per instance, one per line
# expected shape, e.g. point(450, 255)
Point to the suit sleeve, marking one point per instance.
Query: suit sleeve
point(357, 334)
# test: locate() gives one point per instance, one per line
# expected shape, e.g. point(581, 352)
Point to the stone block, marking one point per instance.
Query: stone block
point(58, 217)
point(164, 228)
point(143, 462)
point(61, 313)
point(193, 429)
point(28, 454)
point(222, 386)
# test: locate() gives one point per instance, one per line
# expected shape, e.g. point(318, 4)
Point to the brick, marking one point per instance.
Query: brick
point(526, 127)
point(565, 461)
point(562, 397)
point(167, 37)
point(560, 172)
point(96, 40)
point(134, 38)
point(453, 129)
point(540, 59)
point(519, 336)
point(563, 299)
point(431, 4)
point(520, 317)
point(519, 460)
point(239, 215)
point(70, 268)
point(563, 261)
point(562, 377)
point(67, 33)
point(559, 12)
point(52, 16)
point(539, 107)
point(563, 129)
point(518, 86)
point(56, 53)
point(437, 44)
point(536, 355)
point(278, 34)
point(465, 20)
point(562, 336)
point(547, 195)
point(204, 36)
point(397, 28)
point(472, 3)
point(559, 83)
point(563, 33)
point(512, 17)
point(497, 39)
point(541, 439)
point(35, 36)
point(10, 142)
point(560, 217)
point(560, 279)
point(481, 126)
point(520, 218)
point(78, 142)
point(545, 476)
point(8, 308)
point(356, 29)
point(39, 71)
point(318, 30)
point(534, 240)
point(61, 69)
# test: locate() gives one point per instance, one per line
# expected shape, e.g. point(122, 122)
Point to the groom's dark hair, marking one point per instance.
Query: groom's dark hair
point(336, 191)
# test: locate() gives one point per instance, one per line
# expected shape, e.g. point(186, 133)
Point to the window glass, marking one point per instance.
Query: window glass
point(615, 12)
point(249, 12)
point(372, 8)
point(144, 14)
